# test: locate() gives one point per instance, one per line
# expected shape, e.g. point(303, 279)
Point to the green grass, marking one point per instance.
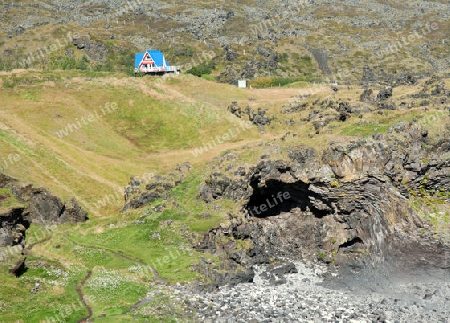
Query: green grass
point(114, 146)
point(135, 241)
point(157, 121)
point(116, 255)
point(378, 123)
point(152, 125)
point(267, 82)
point(364, 130)
point(208, 77)
point(154, 242)
point(8, 200)
point(433, 208)
point(113, 246)
point(113, 292)
point(54, 298)
point(113, 287)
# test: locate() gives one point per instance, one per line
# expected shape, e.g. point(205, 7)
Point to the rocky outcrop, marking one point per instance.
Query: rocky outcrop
point(433, 92)
point(337, 205)
point(230, 272)
point(258, 118)
point(143, 191)
point(367, 95)
point(384, 94)
point(42, 207)
point(263, 59)
point(94, 49)
point(34, 205)
point(13, 227)
point(372, 76)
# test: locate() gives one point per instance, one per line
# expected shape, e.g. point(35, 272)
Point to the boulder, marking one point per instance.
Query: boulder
point(367, 95)
point(384, 94)
point(39, 206)
point(139, 193)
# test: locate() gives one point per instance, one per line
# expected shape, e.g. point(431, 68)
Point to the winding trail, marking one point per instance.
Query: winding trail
point(29, 247)
point(120, 255)
point(80, 285)
point(79, 289)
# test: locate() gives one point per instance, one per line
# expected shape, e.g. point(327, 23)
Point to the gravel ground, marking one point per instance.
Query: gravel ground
point(307, 297)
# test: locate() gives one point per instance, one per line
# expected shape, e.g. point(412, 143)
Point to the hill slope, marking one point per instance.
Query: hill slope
point(185, 157)
point(303, 40)
point(83, 135)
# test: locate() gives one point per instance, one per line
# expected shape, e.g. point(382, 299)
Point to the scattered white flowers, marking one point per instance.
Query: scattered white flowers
point(108, 280)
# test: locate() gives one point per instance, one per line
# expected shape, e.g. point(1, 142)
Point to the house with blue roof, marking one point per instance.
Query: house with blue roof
point(154, 62)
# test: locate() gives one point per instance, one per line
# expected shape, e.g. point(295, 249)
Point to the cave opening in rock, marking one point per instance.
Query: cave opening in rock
point(276, 197)
point(351, 243)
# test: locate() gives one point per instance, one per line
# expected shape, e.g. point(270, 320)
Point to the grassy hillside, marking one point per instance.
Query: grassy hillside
point(85, 137)
point(73, 120)
point(83, 134)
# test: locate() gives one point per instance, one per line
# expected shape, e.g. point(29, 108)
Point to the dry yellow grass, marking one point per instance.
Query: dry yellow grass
point(98, 160)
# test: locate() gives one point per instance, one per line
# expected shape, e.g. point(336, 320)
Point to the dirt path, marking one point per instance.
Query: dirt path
point(119, 255)
point(79, 287)
point(29, 247)
point(171, 158)
point(79, 290)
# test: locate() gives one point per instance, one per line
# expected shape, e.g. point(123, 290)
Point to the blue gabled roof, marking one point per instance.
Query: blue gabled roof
point(138, 59)
point(158, 57)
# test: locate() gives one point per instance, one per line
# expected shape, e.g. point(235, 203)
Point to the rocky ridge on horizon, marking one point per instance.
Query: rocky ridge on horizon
point(287, 28)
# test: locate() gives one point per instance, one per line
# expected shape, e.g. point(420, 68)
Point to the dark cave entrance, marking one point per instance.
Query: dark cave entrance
point(276, 197)
point(352, 244)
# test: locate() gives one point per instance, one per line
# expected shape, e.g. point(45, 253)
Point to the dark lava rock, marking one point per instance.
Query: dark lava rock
point(302, 154)
point(235, 109)
point(141, 192)
point(285, 269)
point(39, 206)
point(230, 274)
point(258, 118)
point(387, 106)
point(367, 96)
point(94, 49)
point(18, 268)
point(339, 202)
point(384, 94)
point(231, 55)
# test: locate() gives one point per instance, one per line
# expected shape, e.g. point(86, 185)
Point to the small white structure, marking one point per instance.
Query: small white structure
point(242, 84)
